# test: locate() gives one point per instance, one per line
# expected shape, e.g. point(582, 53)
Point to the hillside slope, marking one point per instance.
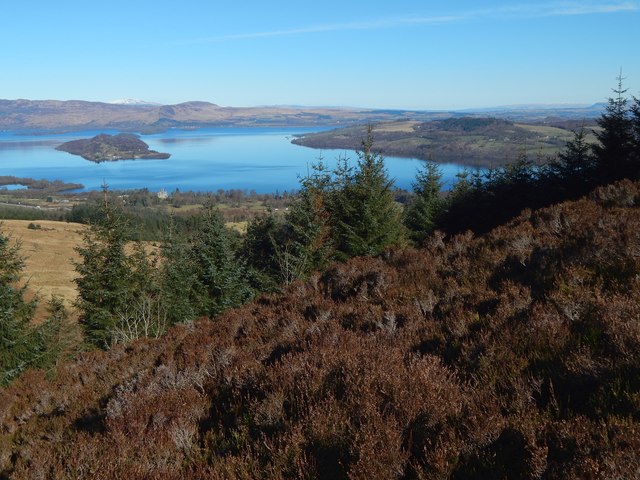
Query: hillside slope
point(512, 355)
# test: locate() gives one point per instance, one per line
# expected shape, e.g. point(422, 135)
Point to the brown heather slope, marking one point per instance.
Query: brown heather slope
point(511, 355)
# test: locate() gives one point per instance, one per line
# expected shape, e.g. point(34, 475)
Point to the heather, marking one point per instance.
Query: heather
point(507, 355)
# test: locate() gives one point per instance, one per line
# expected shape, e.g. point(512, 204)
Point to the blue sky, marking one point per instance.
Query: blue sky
point(391, 54)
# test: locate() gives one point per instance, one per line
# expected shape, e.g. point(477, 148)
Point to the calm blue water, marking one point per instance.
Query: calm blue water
point(261, 159)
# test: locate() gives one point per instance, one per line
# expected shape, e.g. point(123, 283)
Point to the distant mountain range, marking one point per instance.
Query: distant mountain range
point(140, 116)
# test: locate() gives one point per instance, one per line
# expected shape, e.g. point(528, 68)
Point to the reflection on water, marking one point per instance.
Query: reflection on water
point(261, 159)
point(25, 145)
point(210, 139)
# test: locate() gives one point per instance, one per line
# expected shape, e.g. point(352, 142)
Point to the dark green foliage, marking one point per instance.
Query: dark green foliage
point(495, 196)
point(57, 338)
point(348, 212)
point(635, 120)
point(259, 249)
point(364, 215)
point(124, 296)
point(616, 139)
point(16, 345)
point(177, 279)
point(306, 242)
point(221, 280)
point(118, 295)
point(104, 274)
point(16, 212)
point(23, 345)
point(574, 171)
point(576, 160)
point(283, 249)
point(425, 206)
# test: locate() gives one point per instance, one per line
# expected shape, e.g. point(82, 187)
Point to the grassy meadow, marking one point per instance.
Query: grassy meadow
point(49, 253)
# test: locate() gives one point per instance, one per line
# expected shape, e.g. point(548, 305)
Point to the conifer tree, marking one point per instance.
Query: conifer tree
point(104, 274)
point(306, 242)
point(573, 172)
point(635, 120)
point(56, 338)
point(259, 250)
point(365, 216)
point(616, 138)
point(15, 314)
point(177, 278)
point(426, 204)
point(221, 280)
point(576, 158)
point(23, 345)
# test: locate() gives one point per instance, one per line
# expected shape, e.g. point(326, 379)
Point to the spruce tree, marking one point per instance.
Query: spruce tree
point(306, 243)
point(177, 278)
point(103, 274)
point(23, 345)
point(426, 204)
point(574, 169)
point(56, 338)
point(635, 120)
point(221, 280)
point(16, 347)
point(365, 217)
point(576, 158)
point(615, 148)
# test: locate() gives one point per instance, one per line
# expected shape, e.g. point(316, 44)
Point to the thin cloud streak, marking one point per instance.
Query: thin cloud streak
point(523, 11)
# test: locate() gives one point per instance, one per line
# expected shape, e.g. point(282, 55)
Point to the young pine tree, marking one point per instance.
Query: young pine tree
point(177, 278)
point(574, 170)
point(16, 345)
point(23, 345)
point(306, 242)
point(635, 120)
point(426, 204)
point(221, 280)
point(259, 250)
point(364, 215)
point(615, 138)
point(56, 338)
point(104, 274)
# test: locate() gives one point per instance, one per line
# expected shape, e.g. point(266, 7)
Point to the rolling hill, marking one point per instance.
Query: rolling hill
point(473, 141)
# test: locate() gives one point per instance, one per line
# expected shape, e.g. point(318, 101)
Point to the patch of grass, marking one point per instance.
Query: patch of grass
point(49, 253)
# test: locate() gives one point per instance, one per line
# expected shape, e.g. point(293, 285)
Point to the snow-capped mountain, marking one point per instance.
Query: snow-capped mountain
point(132, 101)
